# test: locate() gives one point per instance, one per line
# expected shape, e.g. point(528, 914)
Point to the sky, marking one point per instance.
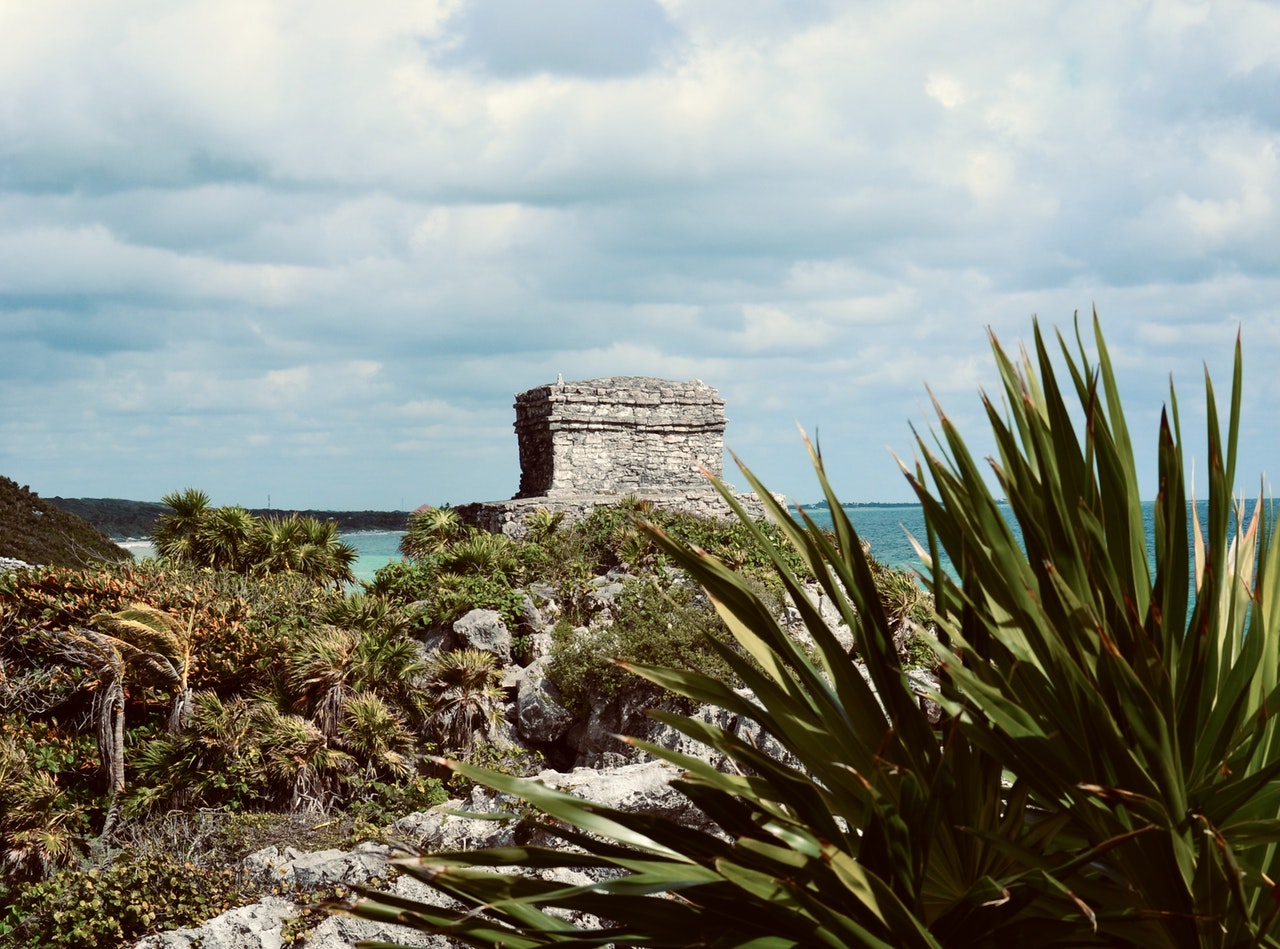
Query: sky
point(304, 254)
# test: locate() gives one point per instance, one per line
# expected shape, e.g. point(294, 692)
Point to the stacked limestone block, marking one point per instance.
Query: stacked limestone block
point(628, 435)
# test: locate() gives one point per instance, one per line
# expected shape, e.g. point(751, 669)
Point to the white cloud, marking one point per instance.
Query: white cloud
point(249, 230)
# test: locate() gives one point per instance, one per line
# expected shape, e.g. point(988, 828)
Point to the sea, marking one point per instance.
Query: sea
point(887, 528)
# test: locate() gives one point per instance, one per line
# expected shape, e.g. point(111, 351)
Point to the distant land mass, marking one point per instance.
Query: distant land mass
point(121, 519)
point(824, 506)
point(35, 530)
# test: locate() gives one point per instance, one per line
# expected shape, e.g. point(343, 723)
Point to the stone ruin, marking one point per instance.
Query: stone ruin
point(586, 444)
point(626, 435)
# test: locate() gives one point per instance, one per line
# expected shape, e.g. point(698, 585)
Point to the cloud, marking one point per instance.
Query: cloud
point(236, 235)
point(509, 38)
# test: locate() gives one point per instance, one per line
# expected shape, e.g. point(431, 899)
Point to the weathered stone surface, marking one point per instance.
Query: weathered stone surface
point(639, 788)
point(540, 716)
point(624, 435)
point(308, 870)
point(508, 517)
point(588, 444)
point(484, 629)
point(829, 612)
point(344, 932)
point(257, 926)
point(596, 740)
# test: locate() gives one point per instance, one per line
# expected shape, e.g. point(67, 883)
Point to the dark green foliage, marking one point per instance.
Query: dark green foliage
point(117, 517)
point(655, 624)
point(231, 538)
point(118, 905)
point(465, 696)
point(39, 532)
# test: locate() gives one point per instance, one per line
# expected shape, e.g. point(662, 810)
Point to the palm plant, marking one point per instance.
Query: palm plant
point(37, 833)
point(304, 545)
point(376, 735)
point(300, 760)
point(277, 544)
point(465, 695)
point(166, 646)
point(215, 759)
point(480, 553)
point(323, 556)
point(430, 531)
point(331, 666)
point(225, 538)
point(541, 524)
point(176, 534)
point(146, 639)
point(1106, 770)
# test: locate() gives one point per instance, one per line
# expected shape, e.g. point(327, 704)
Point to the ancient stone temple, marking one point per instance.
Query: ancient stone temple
point(624, 435)
point(585, 444)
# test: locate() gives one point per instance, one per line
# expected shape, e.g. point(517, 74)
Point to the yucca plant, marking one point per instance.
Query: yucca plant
point(1104, 773)
point(1134, 709)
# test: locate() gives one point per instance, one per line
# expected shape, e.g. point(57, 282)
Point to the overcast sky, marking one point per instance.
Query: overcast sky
point(308, 251)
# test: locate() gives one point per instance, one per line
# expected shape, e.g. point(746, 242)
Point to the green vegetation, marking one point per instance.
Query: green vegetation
point(231, 538)
point(233, 680)
point(117, 517)
point(36, 531)
point(1106, 770)
point(667, 625)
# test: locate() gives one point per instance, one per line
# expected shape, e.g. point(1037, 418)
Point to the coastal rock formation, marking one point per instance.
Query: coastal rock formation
point(587, 444)
point(640, 788)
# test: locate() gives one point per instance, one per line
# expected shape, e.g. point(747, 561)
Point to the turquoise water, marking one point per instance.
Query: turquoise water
point(375, 549)
point(885, 528)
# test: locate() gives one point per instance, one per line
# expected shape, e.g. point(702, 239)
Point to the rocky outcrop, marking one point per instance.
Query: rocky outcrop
point(486, 631)
point(510, 517)
point(540, 715)
point(640, 788)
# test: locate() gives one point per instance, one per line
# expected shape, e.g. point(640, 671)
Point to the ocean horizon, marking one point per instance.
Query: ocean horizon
point(887, 527)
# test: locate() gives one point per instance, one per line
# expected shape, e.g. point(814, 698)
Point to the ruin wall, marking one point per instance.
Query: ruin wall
point(622, 435)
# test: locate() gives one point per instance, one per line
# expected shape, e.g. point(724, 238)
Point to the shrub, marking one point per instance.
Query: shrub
point(668, 625)
point(118, 905)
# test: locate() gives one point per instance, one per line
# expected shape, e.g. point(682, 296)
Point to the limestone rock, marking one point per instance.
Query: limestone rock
point(343, 932)
point(618, 435)
point(540, 716)
point(485, 630)
point(247, 927)
point(309, 870)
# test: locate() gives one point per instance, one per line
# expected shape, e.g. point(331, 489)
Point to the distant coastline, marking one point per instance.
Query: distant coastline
point(122, 519)
point(824, 506)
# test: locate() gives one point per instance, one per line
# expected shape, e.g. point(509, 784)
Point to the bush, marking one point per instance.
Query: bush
point(133, 897)
point(668, 625)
